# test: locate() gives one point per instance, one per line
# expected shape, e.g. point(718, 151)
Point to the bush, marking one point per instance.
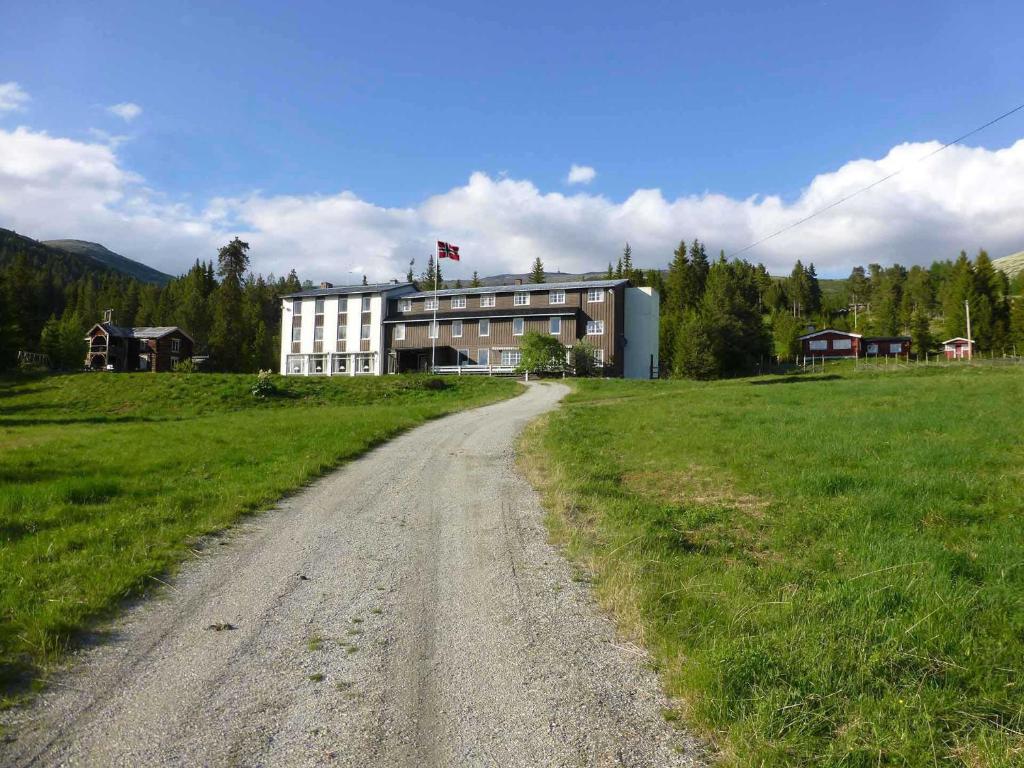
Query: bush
point(264, 386)
point(188, 365)
point(584, 359)
point(541, 353)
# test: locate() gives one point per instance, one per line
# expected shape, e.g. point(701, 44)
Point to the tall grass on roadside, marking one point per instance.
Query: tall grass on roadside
point(829, 571)
point(106, 479)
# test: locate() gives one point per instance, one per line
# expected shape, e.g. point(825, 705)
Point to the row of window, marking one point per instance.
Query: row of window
point(594, 328)
point(519, 299)
point(318, 305)
point(340, 364)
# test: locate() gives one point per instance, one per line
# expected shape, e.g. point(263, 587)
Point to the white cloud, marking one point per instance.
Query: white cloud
point(12, 97)
point(580, 174)
point(962, 198)
point(126, 110)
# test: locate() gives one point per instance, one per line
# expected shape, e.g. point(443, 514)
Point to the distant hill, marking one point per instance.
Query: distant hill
point(111, 260)
point(1011, 265)
point(44, 258)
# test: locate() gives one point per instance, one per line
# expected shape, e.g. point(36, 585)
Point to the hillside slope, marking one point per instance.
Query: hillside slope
point(111, 260)
point(1012, 264)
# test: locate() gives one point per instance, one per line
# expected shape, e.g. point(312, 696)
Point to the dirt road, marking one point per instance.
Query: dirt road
point(404, 611)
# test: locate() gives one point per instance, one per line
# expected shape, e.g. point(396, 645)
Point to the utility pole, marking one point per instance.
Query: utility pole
point(970, 341)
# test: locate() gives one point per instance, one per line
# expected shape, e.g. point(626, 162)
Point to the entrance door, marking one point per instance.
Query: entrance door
point(422, 362)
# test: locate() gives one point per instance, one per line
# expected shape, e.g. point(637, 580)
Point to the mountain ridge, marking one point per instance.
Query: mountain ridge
point(109, 259)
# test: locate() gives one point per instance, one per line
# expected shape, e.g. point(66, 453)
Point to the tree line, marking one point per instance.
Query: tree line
point(233, 315)
point(718, 317)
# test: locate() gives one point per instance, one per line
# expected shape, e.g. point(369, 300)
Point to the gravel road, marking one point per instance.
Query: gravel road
point(404, 611)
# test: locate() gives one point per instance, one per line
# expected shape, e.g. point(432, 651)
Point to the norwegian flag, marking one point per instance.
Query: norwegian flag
point(447, 251)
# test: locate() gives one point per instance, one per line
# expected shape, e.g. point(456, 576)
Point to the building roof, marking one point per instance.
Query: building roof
point(513, 288)
point(829, 330)
point(887, 338)
point(345, 290)
point(140, 332)
point(958, 338)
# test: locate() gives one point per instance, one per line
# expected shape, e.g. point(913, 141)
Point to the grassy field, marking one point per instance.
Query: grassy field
point(828, 571)
point(106, 480)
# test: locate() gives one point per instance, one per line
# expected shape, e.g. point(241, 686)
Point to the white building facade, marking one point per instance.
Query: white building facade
point(336, 330)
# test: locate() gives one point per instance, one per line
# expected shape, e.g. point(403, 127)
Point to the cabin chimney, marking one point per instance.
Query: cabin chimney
point(108, 316)
point(325, 284)
point(519, 281)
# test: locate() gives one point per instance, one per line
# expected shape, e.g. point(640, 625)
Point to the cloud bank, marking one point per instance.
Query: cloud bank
point(53, 187)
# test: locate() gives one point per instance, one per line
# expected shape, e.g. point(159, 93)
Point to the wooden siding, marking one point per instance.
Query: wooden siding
point(611, 311)
point(830, 338)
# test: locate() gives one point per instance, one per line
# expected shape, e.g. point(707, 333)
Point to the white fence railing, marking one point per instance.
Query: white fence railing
point(486, 370)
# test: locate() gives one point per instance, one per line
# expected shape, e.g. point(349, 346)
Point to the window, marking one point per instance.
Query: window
point(297, 306)
point(556, 297)
point(486, 299)
point(432, 330)
point(364, 364)
point(174, 362)
point(817, 345)
point(319, 307)
point(456, 329)
point(366, 303)
point(405, 305)
point(319, 363)
point(143, 362)
point(896, 349)
point(463, 357)
point(484, 329)
point(399, 331)
point(521, 299)
point(842, 344)
point(175, 345)
point(294, 363)
point(340, 364)
point(599, 356)
point(342, 332)
point(518, 324)
point(430, 303)
point(555, 326)
point(318, 335)
point(595, 294)
point(872, 349)
point(510, 357)
point(483, 357)
point(595, 327)
point(296, 332)
point(458, 302)
point(364, 331)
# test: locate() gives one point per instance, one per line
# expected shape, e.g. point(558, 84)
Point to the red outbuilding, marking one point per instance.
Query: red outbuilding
point(958, 348)
point(883, 346)
point(830, 343)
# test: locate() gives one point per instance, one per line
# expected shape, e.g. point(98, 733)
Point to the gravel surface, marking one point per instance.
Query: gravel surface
point(406, 610)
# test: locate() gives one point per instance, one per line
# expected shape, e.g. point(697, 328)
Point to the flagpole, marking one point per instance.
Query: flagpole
point(433, 324)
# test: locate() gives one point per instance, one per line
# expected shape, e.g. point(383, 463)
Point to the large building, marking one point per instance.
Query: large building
point(390, 327)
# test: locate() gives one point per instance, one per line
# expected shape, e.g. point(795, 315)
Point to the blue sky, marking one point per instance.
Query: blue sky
point(399, 102)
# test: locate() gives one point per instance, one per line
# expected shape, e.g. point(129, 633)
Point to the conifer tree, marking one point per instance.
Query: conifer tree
point(409, 275)
point(227, 331)
point(475, 283)
point(920, 333)
point(618, 269)
point(537, 271)
point(610, 273)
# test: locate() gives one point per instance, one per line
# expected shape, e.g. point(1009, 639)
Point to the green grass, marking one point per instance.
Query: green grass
point(107, 480)
point(828, 571)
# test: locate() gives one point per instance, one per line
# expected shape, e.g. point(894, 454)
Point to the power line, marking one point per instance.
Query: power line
point(874, 184)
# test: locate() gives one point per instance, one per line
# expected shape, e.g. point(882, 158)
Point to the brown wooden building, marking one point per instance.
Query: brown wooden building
point(112, 347)
point(483, 326)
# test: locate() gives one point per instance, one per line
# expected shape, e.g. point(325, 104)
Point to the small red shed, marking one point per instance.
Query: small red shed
point(830, 343)
point(958, 348)
point(882, 346)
